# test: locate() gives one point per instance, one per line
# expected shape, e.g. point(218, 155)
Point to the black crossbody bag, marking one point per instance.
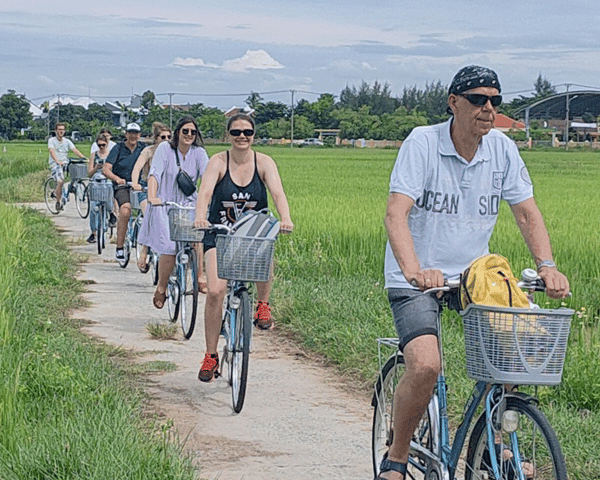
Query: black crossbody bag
point(186, 184)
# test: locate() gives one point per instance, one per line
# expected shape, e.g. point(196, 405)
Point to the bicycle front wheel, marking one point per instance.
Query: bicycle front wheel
point(534, 443)
point(188, 294)
point(101, 231)
point(241, 352)
point(49, 195)
point(127, 251)
point(383, 421)
point(82, 199)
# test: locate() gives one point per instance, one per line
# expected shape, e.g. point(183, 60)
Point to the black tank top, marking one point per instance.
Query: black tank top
point(229, 200)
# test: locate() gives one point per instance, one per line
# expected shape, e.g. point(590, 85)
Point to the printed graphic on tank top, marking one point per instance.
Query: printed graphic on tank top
point(230, 201)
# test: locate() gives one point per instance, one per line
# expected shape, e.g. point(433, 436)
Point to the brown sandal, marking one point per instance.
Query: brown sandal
point(202, 287)
point(159, 299)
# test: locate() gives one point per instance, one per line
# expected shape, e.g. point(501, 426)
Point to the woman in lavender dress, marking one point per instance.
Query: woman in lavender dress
point(163, 187)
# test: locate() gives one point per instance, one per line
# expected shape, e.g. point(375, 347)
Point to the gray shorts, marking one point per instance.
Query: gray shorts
point(416, 314)
point(57, 171)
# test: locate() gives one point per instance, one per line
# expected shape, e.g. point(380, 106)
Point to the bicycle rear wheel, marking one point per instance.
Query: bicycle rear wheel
point(49, 197)
point(82, 199)
point(534, 441)
point(173, 298)
point(241, 352)
point(188, 294)
point(383, 431)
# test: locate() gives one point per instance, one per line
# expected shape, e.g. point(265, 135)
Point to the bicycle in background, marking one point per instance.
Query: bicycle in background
point(244, 255)
point(511, 439)
point(102, 193)
point(77, 186)
point(182, 288)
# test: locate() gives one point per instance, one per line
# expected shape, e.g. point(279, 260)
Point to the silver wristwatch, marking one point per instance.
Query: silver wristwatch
point(546, 263)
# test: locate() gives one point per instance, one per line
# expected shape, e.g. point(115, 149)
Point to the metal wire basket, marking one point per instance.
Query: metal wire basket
point(78, 170)
point(134, 198)
point(100, 191)
point(516, 345)
point(245, 259)
point(181, 225)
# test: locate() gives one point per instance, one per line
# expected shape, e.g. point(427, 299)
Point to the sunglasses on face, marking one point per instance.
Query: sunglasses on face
point(248, 132)
point(167, 137)
point(134, 132)
point(188, 131)
point(479, 100)
point(102, 145)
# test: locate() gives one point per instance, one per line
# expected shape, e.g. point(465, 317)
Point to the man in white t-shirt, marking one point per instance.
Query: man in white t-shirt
point(59, 148)
point(445, 191)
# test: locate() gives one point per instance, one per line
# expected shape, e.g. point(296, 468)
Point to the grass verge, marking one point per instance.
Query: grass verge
point(67, 409)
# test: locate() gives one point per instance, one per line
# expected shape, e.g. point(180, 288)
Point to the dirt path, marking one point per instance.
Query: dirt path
point(298, 423)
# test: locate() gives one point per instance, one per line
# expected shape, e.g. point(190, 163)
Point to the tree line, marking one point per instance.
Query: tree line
point(367, 111)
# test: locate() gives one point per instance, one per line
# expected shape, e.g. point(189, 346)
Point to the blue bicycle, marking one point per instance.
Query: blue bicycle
point(511, 439)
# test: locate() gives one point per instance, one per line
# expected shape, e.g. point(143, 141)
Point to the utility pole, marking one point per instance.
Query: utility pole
point(171, 111)
point(567, 120)
point(58, 109)
point(292, 120)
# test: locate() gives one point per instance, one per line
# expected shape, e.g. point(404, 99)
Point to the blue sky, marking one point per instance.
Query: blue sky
point(111, 49)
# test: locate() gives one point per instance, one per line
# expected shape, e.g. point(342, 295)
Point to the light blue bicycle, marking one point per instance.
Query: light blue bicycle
point(511, 439)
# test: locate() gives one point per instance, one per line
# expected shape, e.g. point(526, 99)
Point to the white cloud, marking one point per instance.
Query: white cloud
point(192, 62)
point(46, 80)
point(366, 66)
point(252, 60)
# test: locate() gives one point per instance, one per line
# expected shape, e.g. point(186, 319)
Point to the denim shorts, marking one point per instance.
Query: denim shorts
point(416, 314)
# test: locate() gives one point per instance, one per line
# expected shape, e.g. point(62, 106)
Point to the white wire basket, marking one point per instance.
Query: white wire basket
point(518, 346)
point(100, 191)
point(134, 198)
point(181, 225)
point(78, 170)
point(246, 259)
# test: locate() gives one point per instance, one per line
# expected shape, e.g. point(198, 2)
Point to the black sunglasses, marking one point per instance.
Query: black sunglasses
point(101, 145)
point(187, 131)
point(248, 132)
point(479, 100)
point(165, 137)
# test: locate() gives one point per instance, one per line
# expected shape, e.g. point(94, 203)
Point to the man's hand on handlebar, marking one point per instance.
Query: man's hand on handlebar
point(557, 285)
point(426, 279)
point(121, 181)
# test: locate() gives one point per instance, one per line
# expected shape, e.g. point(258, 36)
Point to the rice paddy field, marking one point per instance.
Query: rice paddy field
point(329, 291)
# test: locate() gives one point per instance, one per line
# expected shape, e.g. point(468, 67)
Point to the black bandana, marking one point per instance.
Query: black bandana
point(473, 76)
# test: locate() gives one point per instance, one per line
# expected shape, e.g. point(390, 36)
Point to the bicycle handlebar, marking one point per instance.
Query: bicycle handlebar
point(530, 280)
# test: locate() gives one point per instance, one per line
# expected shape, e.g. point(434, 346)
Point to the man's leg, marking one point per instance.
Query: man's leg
point(412, 395)
point(124, 214)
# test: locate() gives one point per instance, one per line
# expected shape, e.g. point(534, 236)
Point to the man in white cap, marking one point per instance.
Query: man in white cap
point(118, 167)
point(445, 191)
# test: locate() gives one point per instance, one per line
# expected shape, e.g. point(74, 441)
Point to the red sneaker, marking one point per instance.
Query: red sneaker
point(262, 317)
point(209, 367)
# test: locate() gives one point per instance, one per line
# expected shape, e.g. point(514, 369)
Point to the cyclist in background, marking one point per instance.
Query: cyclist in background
point(59, 148)
point(96, 162)
point(118, 167)
point(186, 147)
point(139, 178)
point(235, 182)
point(445, 191)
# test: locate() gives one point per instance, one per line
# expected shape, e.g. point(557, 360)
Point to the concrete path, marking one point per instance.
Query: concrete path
point(299, 421)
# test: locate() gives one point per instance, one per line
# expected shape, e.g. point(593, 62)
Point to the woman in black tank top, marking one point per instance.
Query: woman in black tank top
point(235, 181)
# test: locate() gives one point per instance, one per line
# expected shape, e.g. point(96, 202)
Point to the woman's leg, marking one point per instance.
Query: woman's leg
point(262, 315)
point(213, 307)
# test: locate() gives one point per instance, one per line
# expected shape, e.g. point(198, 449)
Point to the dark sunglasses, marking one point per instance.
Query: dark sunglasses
point(165, 137)
point(102, 145)
point(479, 100)
point(187, 131)
point(248, 132)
